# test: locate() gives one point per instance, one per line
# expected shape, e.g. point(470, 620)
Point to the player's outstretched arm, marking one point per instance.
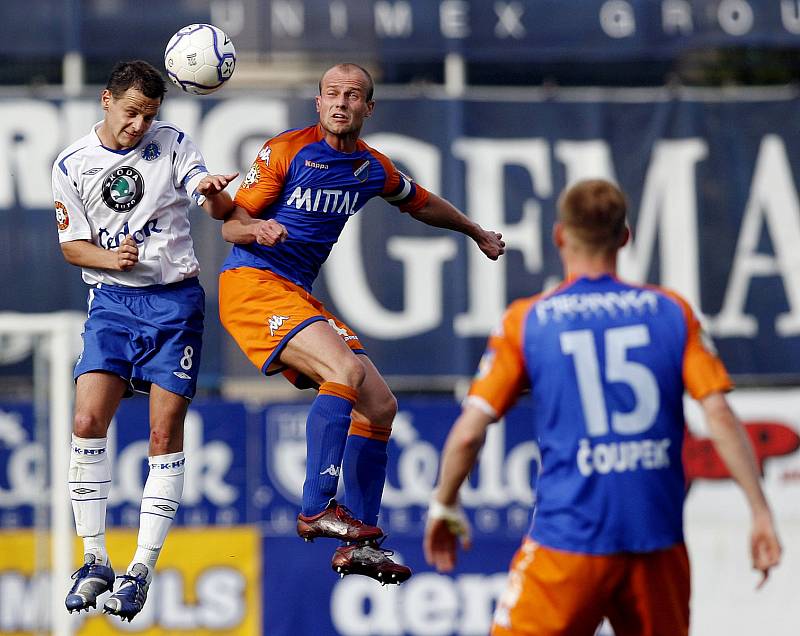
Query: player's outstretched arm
point(731, 442)
point(86, 254)
point(218, 203)
point(447, 524)
point(242, 229)
point(439, 212)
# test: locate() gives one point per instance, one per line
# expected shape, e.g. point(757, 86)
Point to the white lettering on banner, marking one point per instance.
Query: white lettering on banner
point(288, 18)
point(504, 477)
point(393, 19)
point(24, 605)
point(509, 20)
point(427, 604)
point(676, 17)
point(617, 19)
point(422, 258)
point(218, 602)
point(790, 16)
point(620, 457)
point(773, 206)
point(26, 467)
point(454, 19)
point(30, 139)
point(486, 160)
point(735, 17)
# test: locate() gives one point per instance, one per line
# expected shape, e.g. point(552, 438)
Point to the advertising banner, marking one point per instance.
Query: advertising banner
point(233, 564)
point(712, 184)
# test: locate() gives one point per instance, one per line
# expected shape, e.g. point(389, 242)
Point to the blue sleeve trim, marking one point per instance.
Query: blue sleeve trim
point(181, 134)
point(61, 163)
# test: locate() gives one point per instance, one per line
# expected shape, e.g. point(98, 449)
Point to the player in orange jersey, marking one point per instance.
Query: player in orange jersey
point(291, 208)
point(607, 363)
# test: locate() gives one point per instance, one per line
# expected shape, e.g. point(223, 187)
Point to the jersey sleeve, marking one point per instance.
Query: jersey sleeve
point(399, 189)
point(703, 371)
point(502, 375)
point(265, 180)
point(71, 219)
point(188, 167)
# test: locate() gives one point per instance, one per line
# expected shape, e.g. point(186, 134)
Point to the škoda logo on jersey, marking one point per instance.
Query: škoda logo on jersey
point(123, 188)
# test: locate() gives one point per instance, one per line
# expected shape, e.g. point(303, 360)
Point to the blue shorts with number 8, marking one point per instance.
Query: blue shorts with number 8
point(146, 335)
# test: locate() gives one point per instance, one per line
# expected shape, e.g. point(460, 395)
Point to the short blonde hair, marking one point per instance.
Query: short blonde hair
point(595, 211)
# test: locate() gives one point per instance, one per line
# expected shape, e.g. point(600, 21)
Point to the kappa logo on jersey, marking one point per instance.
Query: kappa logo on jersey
point(275, 322)
point(151, 151)
point(123, 189)
point(264, 154)
point(331, 470)
point(62, 216)
point(252, 176)
point(361, 170)
point(316, 165)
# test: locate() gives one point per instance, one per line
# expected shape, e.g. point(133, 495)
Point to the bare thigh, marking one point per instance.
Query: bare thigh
point(97, 396)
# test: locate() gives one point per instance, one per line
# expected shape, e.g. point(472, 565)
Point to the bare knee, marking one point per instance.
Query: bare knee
point(384, 412)
point(349, 372)
point(165, 440)
point(89, 426)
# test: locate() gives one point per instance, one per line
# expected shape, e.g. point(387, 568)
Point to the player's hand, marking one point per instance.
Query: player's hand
point(127, 254)
point(213, 184)
point(491, 244)
point(270, 233)
point(445, 528)
point(765, 548)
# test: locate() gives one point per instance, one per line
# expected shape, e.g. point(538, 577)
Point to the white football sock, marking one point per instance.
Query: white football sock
point(89, 483)
point(160, 500)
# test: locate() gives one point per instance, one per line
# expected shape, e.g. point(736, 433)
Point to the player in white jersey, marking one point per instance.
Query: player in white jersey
point(122, 196)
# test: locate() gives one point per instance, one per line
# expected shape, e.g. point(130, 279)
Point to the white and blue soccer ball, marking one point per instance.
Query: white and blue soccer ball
point(200, 58)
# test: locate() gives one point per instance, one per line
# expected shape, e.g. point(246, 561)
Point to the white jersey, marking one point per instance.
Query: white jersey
point(103, 195)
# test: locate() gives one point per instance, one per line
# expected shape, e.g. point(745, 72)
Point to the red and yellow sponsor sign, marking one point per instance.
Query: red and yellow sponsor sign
point(208, 582)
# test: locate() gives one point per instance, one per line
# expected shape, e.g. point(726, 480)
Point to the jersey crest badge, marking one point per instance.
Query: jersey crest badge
point(123, 189)
point(361, 170)
point(252, 176)
point(151, 151)
point(62, 216)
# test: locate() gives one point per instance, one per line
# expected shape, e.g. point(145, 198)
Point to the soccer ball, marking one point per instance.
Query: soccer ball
point(199, 58)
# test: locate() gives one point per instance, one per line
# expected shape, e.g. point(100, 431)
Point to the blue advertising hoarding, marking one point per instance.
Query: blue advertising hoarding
point(712, 181)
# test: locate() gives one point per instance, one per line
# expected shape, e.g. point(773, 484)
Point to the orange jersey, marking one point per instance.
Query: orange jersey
point(607, 364)
point(312, 189)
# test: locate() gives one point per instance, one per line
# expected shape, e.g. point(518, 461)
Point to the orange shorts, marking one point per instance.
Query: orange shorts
point(551, 592)
point(262, 311)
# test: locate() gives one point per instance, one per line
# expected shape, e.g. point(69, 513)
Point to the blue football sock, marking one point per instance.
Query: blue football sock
point(364, 474)
point(326, 434)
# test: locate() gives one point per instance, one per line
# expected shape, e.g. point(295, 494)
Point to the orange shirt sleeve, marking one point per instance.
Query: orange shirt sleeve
point(502, 375)
point(264, 181)
point(703, 371)
point(399, 189)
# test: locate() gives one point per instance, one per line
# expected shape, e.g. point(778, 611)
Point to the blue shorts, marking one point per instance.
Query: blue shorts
point(146, 335)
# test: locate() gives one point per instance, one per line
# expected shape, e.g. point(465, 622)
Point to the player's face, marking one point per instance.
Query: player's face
point(342, 103)
point(127, 119)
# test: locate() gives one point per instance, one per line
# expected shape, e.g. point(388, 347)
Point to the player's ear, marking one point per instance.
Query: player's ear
point(317, 103)
point(370, 108)
point(105, 99)
point(626, 236)
point(558, 235)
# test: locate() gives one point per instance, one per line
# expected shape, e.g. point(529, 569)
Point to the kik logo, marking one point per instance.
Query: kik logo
point(331, 470)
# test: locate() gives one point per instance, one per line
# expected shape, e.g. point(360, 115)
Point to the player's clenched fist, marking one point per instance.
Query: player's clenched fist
point(127, 254)
point(270, 233)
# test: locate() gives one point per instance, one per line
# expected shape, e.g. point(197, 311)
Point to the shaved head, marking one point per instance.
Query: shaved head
point(349, 67)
